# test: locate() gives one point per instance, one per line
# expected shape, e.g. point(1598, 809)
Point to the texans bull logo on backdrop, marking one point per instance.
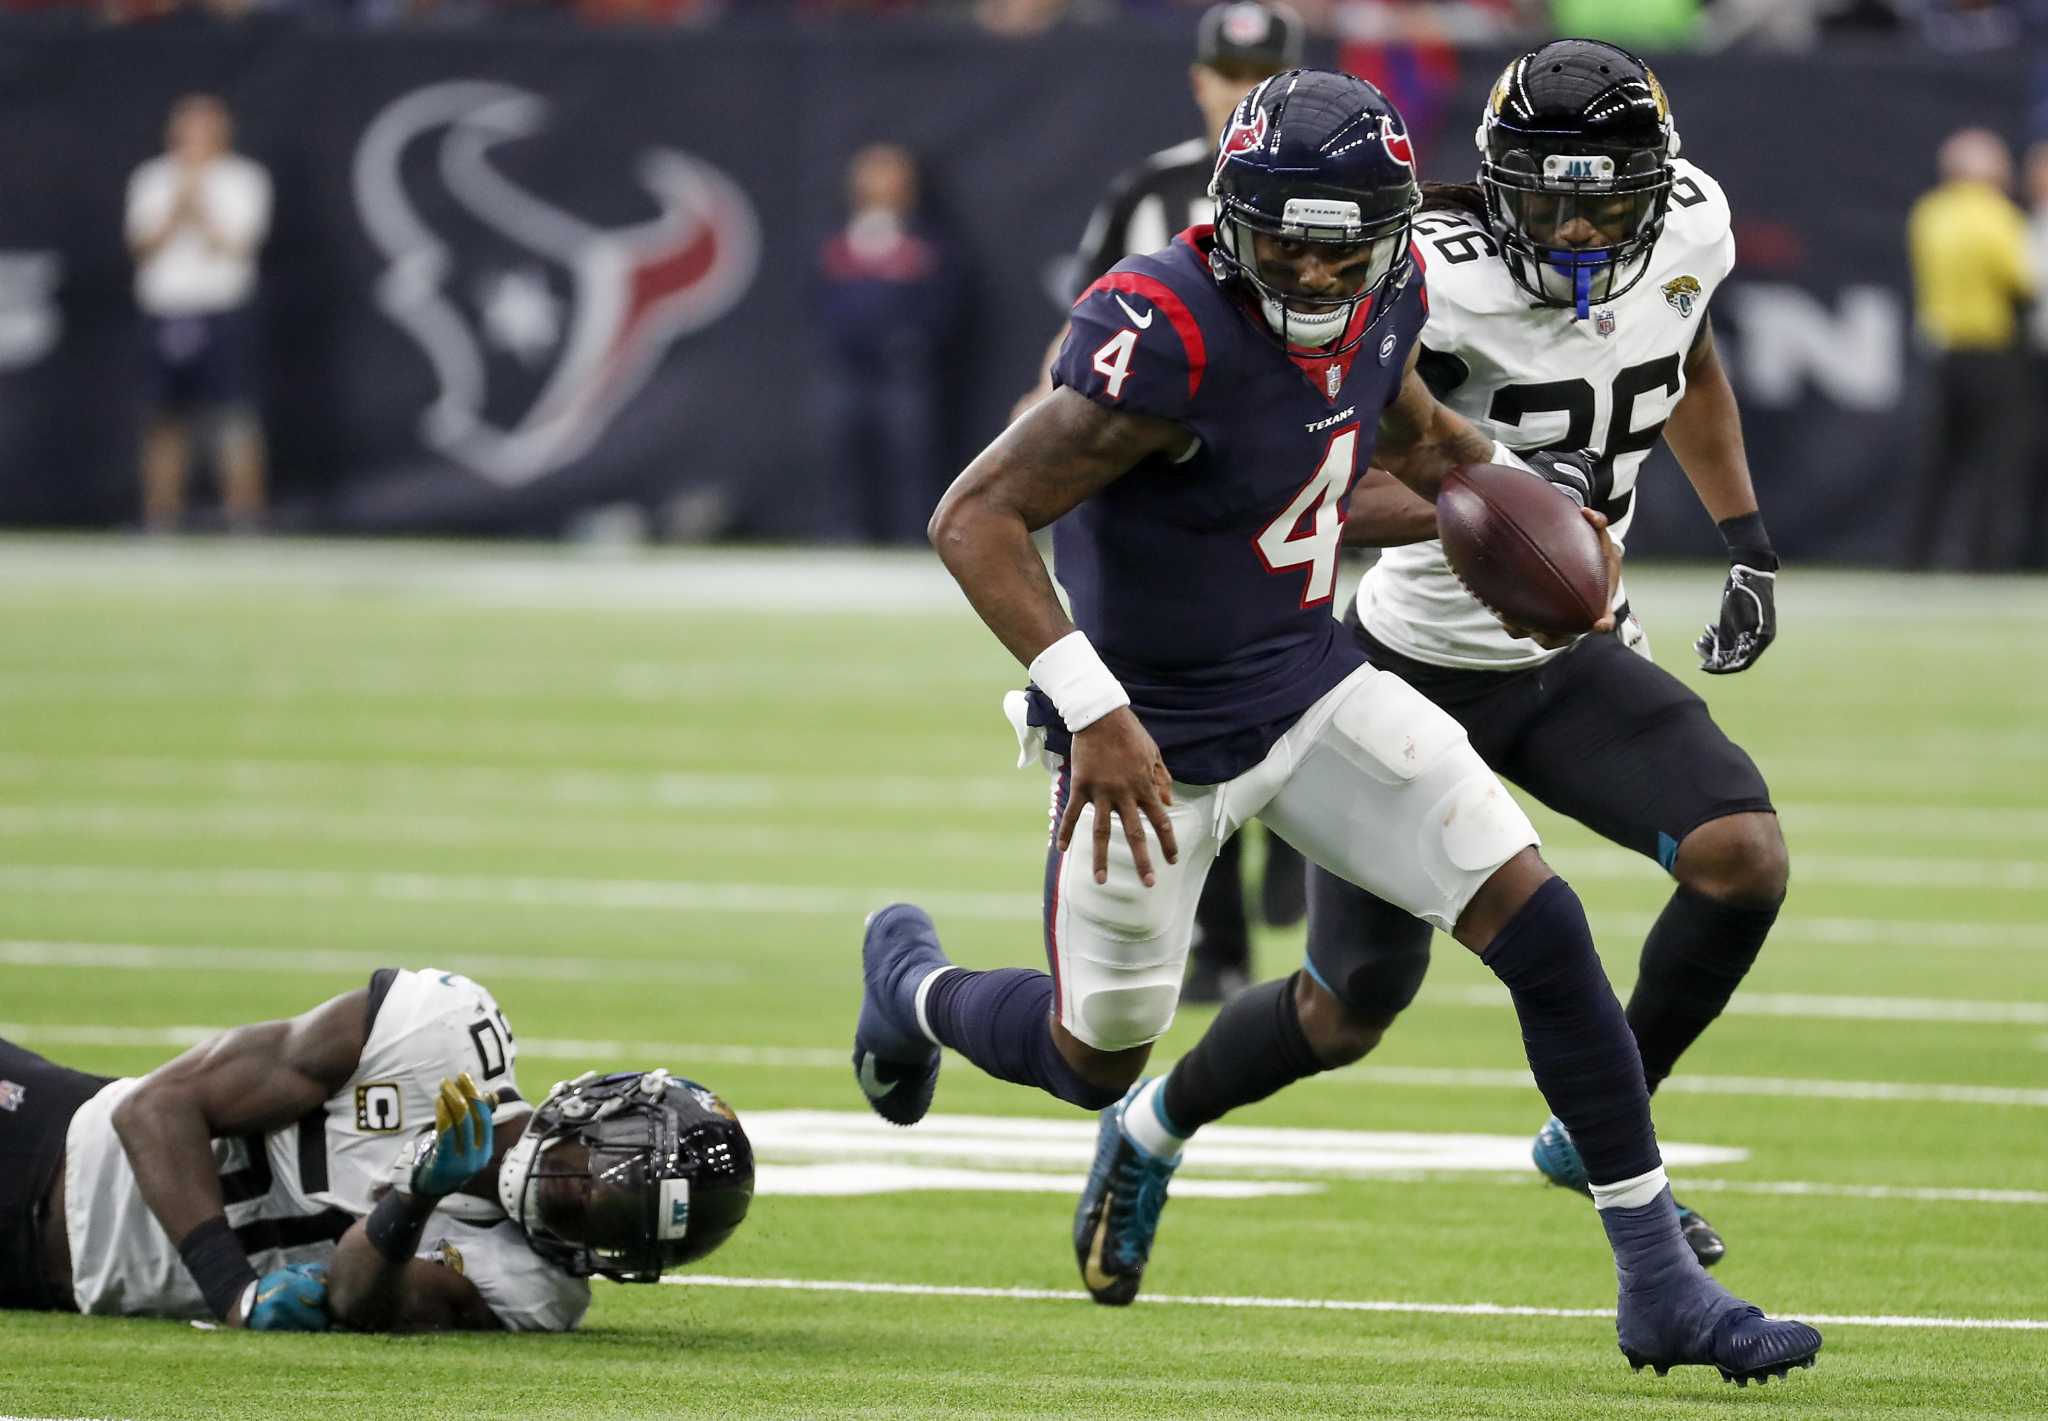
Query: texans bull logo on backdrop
point(539, 324)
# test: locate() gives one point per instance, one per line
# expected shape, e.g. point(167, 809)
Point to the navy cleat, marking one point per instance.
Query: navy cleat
point(896, 1065)
point(1557, 1160)
point(1671, 1314)
point(1118, 1215)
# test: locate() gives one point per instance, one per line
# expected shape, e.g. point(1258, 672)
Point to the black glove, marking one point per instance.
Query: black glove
point(1749, 612)
point(1573, 471)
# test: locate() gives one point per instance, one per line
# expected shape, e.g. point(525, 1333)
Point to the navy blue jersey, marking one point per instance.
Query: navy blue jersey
point(1204, 582)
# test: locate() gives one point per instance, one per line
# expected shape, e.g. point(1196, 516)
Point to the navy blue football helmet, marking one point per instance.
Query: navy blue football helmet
point(1315, 157)
point(1575, 165)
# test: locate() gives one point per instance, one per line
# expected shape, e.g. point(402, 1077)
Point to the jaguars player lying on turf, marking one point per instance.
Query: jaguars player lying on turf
point(1568, 297)
point(1216, 400)
point(220, 1184)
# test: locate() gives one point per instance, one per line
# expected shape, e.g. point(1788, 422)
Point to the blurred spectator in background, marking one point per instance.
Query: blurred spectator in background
point(2037, 195)
point(1971, 277)
point(195, 219)
point(887, 301)
point(1236, 46)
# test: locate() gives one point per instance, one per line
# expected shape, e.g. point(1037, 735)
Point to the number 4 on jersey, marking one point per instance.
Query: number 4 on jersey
point(1285, 544)
point(1113, 361)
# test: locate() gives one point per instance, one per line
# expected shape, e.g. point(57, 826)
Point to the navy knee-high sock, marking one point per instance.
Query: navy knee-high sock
point(1580, 1047)
point(1002, 1021)
point(1693, 960)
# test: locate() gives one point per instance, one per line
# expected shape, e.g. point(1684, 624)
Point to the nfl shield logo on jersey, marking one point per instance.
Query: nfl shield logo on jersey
point(1603, 321)
point(12, 1095)
point(1333, 380)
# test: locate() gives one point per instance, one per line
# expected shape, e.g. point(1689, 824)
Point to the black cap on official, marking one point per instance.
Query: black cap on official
point(1257, 33)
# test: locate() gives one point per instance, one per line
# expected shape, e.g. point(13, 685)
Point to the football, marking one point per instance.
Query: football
point(1522, 548)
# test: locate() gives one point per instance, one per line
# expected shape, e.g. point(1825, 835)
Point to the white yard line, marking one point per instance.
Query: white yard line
point(773, 839)
point(1805, 1007)
point(504, 891)
point(316, 961)
point(1422, 1077)
point(1061, 1295)
point(214, 957)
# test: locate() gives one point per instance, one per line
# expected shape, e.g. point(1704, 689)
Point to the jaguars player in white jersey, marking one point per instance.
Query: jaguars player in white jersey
point(219, 1185)
point(1568, 295)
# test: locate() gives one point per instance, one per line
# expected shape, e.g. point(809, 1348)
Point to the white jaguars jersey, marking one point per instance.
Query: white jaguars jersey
point(1536, 377)
point(292, 1193)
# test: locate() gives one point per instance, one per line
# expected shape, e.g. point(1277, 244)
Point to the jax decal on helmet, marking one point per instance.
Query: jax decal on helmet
point(1322, 160)
point(1575, 167)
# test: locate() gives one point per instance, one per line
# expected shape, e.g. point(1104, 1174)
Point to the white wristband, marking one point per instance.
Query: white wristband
point(1504, 455)
point(1073, 677)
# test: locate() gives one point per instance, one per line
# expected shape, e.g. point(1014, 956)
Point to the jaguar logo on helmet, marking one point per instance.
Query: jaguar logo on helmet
point(1395, 141)
point(571, 320)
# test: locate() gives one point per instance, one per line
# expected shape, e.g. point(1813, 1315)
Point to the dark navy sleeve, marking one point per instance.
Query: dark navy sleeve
point(1133, 344)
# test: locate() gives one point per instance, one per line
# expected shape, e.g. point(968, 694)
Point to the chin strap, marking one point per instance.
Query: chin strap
point(513, 1196)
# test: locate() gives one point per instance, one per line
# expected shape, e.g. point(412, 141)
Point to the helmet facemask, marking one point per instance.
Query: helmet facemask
point(602, 1180)
point(1370, 251)
point(1578, 227)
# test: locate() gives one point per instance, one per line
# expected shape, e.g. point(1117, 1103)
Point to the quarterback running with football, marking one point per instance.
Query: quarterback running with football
point(1213, 404)
point(368, 1163)
point(1568, 295)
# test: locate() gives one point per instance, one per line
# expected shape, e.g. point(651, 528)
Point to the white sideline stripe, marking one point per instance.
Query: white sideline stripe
point(1805, 1007)
point(779, 899)
point(817, 1058)
point(1219, 1300)
point(211, 957)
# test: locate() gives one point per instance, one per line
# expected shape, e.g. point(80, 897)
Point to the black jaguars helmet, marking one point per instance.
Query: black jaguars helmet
point(663, 1175)
point(1575, 166)
point(1316, 157)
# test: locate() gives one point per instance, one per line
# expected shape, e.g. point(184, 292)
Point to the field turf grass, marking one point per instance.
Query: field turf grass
point(647, 802)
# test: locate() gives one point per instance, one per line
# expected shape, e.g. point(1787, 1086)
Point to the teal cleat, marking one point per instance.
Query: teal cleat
point(1118, 1215)
point(1557, 1160)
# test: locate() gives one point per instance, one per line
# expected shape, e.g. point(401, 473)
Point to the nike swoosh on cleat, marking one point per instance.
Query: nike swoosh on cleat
point(871, 1082)
point(1144, 322)
point(1091, 1271)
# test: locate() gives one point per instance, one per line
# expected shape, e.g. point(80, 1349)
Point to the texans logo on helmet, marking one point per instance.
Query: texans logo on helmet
point(1396, 142)
point(539, 326)
point(1245, 134)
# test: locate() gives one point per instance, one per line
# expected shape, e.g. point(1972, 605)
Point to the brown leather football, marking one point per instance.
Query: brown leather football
point(1522, 548)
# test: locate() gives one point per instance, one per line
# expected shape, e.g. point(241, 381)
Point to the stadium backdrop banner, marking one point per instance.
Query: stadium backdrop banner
point(519, 275)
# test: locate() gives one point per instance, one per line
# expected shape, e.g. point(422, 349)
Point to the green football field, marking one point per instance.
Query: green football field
point(647, 802)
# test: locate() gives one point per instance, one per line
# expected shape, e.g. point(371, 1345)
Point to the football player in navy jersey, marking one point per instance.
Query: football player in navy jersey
point(1594, 334)
point(1214, 402)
